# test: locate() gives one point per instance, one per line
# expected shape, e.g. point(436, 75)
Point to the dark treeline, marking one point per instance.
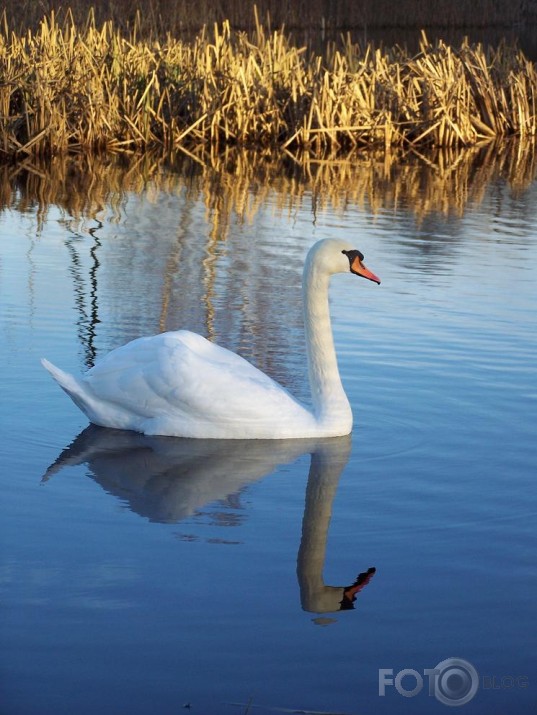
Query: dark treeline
point(319, 16)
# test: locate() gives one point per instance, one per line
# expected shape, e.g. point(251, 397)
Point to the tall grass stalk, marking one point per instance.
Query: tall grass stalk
point(78, 88)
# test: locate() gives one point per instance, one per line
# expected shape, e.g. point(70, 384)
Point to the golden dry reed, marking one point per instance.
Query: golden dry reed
point(82, 88)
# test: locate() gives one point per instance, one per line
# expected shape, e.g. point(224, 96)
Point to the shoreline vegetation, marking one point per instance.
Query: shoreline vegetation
point(70, 87)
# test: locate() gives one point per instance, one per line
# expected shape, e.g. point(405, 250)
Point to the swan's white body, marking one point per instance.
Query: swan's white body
point(180, 384)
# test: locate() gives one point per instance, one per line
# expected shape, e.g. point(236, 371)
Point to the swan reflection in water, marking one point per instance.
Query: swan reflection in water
point(166, 479)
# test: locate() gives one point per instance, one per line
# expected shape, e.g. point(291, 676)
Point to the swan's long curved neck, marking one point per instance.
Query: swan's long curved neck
point(330, 404)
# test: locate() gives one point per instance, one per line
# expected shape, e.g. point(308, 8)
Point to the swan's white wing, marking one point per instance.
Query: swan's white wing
point(180, 383)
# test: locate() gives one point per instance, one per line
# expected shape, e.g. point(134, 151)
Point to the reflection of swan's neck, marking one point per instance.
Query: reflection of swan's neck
point(330, 403)
point(327, 463)
point(322, 485)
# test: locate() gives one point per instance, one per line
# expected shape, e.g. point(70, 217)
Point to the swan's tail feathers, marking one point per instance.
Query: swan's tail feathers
point(70, 385)
point(64, 379)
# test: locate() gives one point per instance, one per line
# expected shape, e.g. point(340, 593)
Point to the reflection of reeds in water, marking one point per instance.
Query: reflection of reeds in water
point(201, 283)
point(86, 87)
point(236, 184)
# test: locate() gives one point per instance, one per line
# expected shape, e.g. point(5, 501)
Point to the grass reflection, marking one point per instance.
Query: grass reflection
point(236, 183)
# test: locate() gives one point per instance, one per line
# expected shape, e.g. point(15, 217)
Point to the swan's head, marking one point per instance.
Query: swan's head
point(335, 256)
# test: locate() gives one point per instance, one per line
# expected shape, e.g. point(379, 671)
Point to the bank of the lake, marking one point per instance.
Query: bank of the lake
point(71, 87)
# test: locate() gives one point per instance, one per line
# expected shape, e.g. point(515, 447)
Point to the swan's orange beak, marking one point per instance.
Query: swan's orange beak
point(358, 267)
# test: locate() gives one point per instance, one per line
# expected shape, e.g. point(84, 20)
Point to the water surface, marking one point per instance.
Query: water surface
point(141, 574)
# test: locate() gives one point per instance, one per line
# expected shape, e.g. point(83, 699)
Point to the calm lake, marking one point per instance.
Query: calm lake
point(157, 575)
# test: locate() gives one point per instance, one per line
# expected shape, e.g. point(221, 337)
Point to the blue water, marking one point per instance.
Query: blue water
point(145, 575)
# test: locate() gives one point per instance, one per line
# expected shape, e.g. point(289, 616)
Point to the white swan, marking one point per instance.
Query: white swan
point(180, 384)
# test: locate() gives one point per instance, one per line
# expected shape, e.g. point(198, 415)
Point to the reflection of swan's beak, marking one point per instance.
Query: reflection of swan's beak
point(349, 594)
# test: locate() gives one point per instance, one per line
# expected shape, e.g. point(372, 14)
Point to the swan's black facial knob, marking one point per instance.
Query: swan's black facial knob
point(351, 255)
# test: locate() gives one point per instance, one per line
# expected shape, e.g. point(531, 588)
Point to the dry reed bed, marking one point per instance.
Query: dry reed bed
point(72, 88)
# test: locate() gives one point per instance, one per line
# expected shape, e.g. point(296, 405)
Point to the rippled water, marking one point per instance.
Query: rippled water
point(144, 575)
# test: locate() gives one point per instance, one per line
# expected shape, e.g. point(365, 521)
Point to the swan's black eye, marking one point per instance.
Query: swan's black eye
point(351, 255)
